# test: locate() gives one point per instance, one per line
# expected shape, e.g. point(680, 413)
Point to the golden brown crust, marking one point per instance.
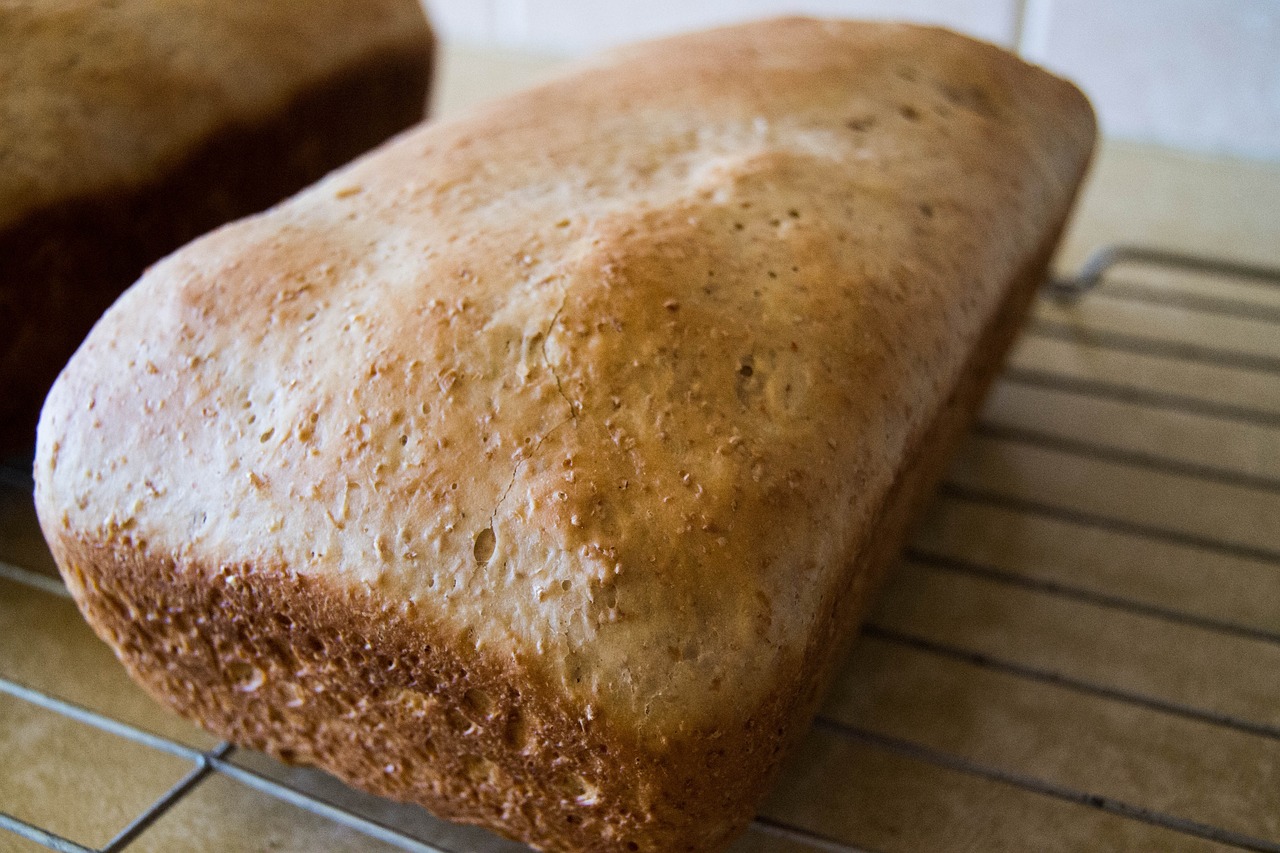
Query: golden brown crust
point(335, 678)
point(153, 155)
point(624, 432)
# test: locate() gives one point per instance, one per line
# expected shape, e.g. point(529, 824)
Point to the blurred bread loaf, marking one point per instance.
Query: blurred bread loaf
point(536, 467)
point(127, 128)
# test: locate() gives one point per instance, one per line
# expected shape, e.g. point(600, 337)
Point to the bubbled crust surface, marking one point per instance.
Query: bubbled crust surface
point(598, 392)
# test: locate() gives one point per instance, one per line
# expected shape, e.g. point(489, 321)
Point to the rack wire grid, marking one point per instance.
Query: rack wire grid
point(1180, 544)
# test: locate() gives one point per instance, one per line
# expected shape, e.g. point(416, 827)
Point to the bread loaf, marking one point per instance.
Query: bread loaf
point(128, 128)
point(536, 467)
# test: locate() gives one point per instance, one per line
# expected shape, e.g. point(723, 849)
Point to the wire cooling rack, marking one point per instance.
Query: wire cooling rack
point(1036, 789)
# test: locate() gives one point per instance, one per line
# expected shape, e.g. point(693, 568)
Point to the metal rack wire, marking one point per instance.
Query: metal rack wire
point(218, 760)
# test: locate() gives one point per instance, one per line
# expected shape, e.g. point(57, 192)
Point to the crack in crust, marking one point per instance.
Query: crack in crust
point(573, 407)
point(573, 413)
point(493, 516)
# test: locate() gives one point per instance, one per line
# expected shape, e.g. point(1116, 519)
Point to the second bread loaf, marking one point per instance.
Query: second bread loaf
point(131, 127)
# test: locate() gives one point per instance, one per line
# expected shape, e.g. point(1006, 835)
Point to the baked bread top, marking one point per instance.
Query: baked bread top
point(99, 95)
point(602, 384)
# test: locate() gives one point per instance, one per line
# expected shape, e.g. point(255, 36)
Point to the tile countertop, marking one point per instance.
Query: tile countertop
point(1078, 653)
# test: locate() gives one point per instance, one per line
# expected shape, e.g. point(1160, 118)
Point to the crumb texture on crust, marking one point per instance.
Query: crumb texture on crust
point(602, 388)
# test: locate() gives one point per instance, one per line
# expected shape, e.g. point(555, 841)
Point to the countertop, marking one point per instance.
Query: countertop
point(1081, 650)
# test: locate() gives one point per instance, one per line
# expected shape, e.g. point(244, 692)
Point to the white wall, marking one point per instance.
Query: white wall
point(1202, 75)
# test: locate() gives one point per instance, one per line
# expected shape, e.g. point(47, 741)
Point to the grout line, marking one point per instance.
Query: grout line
point(1031, 673)
point(81, 714)
point(1104, 522)
point(36, 580)
point(1087, 596)
point(1027, 782)
point(1019, 25)
point(1140, 396)
point(1132, 458)
point(788, 832)
point(1101, 339)
point(167, 801)
point(1033, 29)
point(307, 802)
